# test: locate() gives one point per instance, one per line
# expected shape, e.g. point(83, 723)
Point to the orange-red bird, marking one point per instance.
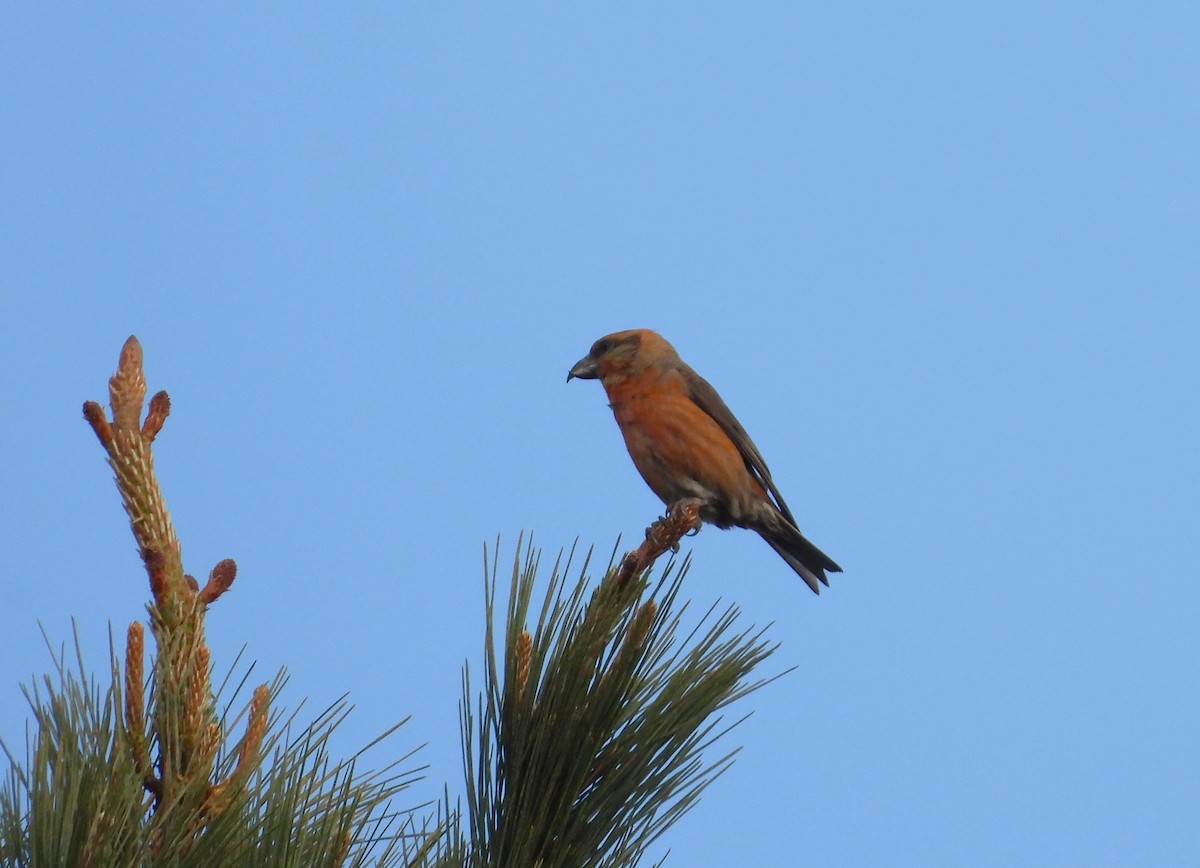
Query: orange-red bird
point(687, 444)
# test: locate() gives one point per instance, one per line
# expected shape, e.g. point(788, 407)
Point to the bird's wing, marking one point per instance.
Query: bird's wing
point(704, 396)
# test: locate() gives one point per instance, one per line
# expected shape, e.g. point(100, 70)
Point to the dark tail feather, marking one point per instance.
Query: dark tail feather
point(809, 562)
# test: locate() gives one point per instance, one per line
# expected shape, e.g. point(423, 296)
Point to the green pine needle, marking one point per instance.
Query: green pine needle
point(594, 729)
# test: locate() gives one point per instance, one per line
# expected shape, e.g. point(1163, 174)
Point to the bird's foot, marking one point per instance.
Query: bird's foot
point(686, 510)
point(690, 507)
point(684, 504)
point(683, 517)
point(654, 531)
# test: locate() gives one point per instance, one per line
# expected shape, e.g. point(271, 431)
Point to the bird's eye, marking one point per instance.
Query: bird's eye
point(601, 347)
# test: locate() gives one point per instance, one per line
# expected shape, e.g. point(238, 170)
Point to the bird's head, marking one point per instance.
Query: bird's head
point(622, 353)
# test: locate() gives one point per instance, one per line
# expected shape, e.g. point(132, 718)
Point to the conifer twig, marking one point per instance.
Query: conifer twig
point(587, 741)
point(140, 773)
point(182, 714)
point(662, 536)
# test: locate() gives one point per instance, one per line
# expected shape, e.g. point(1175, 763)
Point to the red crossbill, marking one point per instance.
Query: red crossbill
point(687, 444)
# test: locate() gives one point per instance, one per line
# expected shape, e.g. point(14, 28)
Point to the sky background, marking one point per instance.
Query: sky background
point(942, 261)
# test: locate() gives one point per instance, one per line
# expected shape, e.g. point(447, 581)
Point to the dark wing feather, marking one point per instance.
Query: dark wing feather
point(706, 398)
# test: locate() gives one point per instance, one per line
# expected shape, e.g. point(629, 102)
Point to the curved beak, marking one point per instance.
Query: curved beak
point(584, 369)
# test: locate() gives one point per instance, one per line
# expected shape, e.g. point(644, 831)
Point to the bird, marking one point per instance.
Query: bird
point(687, 444)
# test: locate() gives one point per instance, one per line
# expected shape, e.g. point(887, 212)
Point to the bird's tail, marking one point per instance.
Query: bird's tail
point(809, 562)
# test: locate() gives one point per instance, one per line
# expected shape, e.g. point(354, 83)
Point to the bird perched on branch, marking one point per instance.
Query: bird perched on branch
point(688, 445)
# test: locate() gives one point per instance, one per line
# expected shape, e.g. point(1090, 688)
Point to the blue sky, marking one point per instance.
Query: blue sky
point(940, 259)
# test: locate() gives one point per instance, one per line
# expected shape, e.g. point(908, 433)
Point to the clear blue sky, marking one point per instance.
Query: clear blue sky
point(941, 260)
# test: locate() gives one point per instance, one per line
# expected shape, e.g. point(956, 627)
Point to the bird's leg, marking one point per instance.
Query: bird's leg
point(684, 503)
point(653, 531)
point(683, 506)
point(682, 517)
point(685, 509)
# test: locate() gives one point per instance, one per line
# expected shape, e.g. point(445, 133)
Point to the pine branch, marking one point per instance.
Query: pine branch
point(593, 732)
point(145, 771)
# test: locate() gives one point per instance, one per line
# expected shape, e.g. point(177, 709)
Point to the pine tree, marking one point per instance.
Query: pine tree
point(590, 736)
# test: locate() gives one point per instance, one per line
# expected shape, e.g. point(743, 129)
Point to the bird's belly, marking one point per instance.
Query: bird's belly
point(682, 452)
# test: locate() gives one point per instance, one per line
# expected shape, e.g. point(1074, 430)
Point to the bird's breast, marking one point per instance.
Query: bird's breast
point(683, 452)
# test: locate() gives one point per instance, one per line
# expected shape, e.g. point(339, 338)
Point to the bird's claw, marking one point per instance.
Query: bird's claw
point(655, 530)
point(683, 517)
point(686, 510)
point(681, 506)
